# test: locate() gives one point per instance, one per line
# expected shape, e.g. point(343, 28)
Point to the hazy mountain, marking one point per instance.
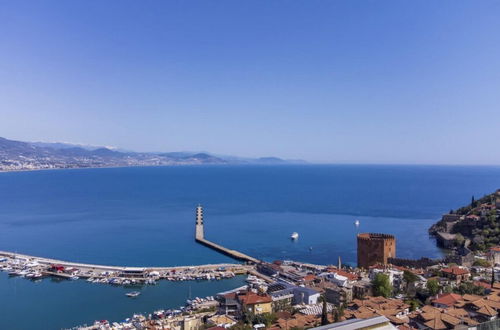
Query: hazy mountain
point(18, 155)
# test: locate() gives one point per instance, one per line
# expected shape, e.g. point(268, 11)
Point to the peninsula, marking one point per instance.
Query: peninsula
point(475, 226)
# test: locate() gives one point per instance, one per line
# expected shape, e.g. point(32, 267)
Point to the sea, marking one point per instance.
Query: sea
point(145, 216)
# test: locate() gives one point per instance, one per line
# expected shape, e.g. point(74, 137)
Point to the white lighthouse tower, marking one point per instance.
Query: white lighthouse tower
point(199, 223)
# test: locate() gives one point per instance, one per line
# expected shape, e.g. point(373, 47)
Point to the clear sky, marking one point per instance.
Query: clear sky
point(325, 81)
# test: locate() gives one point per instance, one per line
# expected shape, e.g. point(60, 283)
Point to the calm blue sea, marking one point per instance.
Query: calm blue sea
point(145, 216)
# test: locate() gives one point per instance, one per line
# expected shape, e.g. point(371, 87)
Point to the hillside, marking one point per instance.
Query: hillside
point(476, 225)
point(18, 155)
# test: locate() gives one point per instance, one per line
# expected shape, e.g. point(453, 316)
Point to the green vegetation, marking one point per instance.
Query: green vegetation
point(414, 304)
point(324, 312)
point(409, 277)
point(482, 231)
point(433, 287)
point(481, 263)
point(266, 318)
point(469, 288)
point(241, 326)
point(338, 313)
point(382, 286)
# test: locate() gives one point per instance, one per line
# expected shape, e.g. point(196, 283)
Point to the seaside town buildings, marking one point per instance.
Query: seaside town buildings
point(457, 292)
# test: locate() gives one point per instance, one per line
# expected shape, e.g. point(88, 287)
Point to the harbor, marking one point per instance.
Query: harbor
point(36, 268)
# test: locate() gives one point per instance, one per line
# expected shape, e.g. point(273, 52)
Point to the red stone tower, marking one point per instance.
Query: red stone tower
point(375, 248)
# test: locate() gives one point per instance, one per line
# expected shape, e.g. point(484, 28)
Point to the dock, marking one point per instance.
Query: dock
point(200, 238)
point(84, 267)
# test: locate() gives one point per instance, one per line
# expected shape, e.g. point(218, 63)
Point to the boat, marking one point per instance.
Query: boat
point(133, 294)
point(37, 275)
point(356, 223)
point(74, 277)
point(251, 278)
point(294, 236)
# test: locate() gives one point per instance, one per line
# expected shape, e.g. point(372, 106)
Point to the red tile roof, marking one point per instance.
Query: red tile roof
point(455, 270)
point(350, 276)
point(483, 284)
point(251, 298)
point(448, 299)
point(309, 278)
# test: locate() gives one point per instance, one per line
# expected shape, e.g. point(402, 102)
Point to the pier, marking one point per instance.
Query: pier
point(200, 238)
point(139, 274)
point(35, 267)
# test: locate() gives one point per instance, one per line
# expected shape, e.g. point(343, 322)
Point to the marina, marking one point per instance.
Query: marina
point(36, 267)
point(32, 267)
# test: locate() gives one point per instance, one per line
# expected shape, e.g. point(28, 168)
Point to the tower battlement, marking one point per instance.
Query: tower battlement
point(374, 248)
point(375, 236)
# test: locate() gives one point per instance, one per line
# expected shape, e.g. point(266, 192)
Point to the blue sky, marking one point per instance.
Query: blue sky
point(325, 81)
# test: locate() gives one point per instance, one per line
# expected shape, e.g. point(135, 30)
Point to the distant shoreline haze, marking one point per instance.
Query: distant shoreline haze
point(22, 156)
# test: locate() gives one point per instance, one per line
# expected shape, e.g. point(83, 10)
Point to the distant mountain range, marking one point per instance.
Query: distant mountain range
point(18, 155)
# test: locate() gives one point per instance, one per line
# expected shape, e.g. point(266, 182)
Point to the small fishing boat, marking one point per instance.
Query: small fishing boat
point(356, 223)
point(133, 294)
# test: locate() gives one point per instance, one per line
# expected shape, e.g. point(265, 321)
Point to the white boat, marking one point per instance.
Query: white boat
point(74, 277)
point(294, 236)
point(356, 223)
point(133, 294)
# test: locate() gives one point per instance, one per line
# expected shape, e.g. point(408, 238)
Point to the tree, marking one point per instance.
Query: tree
point(414, 304)
point(410, 278)
point(324, 313)
point(469, 288)
point(382, 286)
point(338, 313)
point(473, 202)
point(459, 239)
point(433, 287)
point(481, 263)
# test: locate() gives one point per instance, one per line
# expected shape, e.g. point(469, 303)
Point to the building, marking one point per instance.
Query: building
point(229, 304)
point(494, 255)
point(378, 322)
point(221, 320)
point(395, 276)
point(256, 303)
point(362, 289)
point(445, 240)
point(338, 295)
point(456, 274)
point(269, 269)
point(375, 248)
point(192, 322)
point(282, 295)
point(306, 296)
point(446, 300)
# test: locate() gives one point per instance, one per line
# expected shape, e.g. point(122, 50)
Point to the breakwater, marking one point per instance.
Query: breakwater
point(200, 238)
point(37, 267)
